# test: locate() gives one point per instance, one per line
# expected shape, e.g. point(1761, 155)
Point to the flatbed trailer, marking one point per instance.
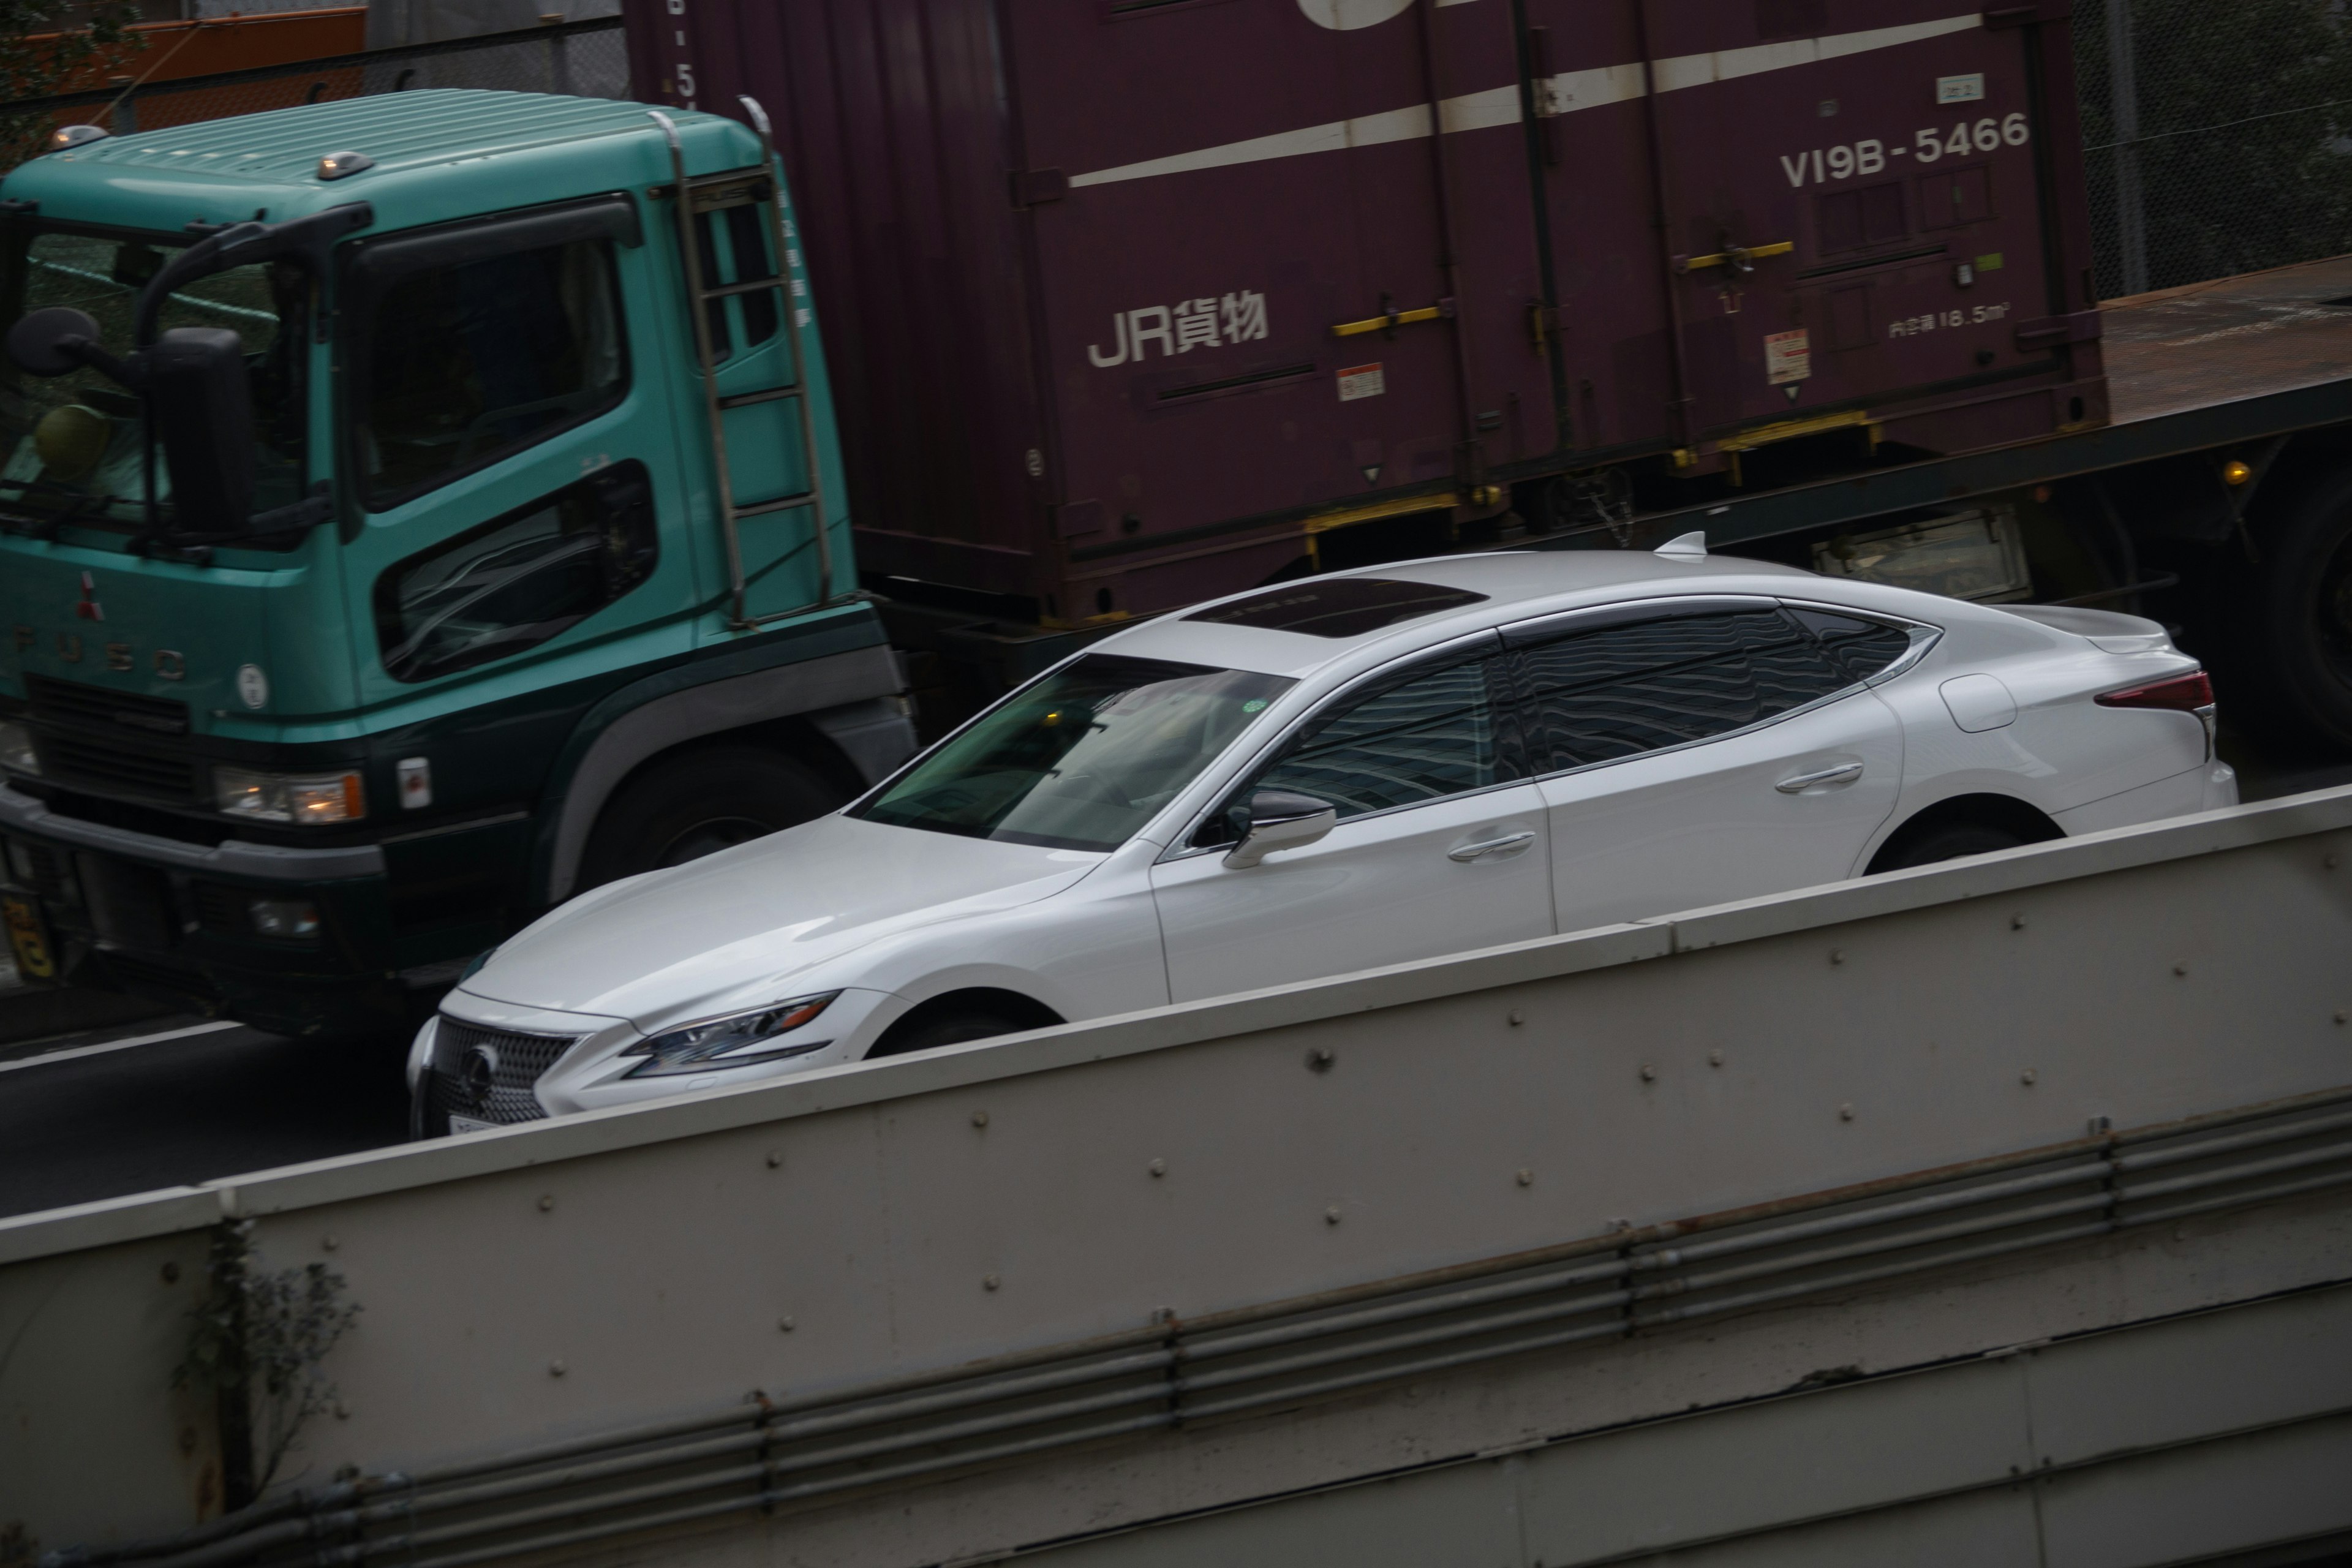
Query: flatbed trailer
point(2195, 373)
point(2231, 402)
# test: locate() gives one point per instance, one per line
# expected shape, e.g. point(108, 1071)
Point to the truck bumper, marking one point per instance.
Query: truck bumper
point(185, 922)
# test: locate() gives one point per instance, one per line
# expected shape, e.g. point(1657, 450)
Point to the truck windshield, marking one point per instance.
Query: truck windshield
point(1082, 758)
point(76, 443)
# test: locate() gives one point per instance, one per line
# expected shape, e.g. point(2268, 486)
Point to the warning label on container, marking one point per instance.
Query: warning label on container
point(1787, 356)
point(1361, 381)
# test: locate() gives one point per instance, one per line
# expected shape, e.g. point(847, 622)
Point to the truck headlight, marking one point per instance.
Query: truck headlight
point(16, 748)
point(734, 1042)
point(289, 797)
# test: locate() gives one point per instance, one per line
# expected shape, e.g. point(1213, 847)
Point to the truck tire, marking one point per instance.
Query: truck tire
point(2295, 627)
point(697, 803)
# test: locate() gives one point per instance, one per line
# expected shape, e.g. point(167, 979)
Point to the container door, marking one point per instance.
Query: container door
point(1265, 287)
point(1850, 197)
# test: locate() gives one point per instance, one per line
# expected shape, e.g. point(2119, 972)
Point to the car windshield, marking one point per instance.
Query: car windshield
point(76, 444)
point(1082, 758)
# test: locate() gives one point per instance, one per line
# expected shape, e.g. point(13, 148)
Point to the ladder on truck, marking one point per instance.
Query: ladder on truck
point(697, 195)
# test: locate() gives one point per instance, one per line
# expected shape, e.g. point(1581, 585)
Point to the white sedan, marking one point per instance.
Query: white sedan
point(1334, 774)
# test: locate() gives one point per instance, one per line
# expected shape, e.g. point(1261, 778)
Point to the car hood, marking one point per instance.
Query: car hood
point(734, 929)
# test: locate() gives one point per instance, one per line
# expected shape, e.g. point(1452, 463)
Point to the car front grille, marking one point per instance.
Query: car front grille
point(520, 1060)
point(115, 741)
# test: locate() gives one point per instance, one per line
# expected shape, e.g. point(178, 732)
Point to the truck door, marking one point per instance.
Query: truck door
point(1265, 286)
point(1850, 205)
point(504, 460)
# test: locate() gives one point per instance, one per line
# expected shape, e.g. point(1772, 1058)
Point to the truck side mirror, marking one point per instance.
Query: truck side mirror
point(1278, 819)
point(202, 407)
point(51, 343)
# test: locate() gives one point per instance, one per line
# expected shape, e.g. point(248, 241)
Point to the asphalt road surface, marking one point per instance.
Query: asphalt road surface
point(174, 1100)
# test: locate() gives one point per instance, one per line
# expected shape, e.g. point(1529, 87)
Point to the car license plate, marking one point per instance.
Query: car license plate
point(29, 938)
point(467, 1124)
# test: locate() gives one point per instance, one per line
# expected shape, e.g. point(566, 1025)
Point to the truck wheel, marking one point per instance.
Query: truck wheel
point(2295, 627)
point(697, 803)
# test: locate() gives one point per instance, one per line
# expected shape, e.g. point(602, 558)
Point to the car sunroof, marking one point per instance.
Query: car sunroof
point(1337, 606)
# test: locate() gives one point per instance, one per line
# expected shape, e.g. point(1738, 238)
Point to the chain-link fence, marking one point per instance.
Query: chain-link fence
point(2217, 135)
point(588, 58)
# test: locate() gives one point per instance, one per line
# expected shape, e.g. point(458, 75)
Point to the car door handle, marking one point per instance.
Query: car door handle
point(1491, 847)
point(1843, 772)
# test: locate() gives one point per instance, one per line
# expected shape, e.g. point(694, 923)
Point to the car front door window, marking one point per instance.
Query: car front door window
point(1439, 847)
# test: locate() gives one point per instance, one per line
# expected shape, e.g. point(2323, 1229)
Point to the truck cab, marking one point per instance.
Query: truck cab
point(416, 510)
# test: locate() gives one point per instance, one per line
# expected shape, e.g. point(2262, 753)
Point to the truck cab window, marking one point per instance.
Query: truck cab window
point(463, 365)
point(518, 580)
point(76, 444)
point(733, 244)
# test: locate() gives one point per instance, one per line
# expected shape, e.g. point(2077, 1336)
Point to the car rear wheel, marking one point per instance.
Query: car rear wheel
point(698, 803)
point(1951, 841)
point(946, 1029)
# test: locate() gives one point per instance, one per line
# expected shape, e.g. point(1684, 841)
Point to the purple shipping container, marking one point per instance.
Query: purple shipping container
point(1128, 302)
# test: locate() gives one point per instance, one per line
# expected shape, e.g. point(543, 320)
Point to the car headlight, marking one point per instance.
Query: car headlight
point(16, 748)
point(289, 797)
point(734, 1042)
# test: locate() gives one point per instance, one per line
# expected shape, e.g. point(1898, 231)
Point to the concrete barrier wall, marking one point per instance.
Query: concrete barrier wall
point(920, 1213)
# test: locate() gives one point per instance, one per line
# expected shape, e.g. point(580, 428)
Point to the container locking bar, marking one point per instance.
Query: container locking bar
point(1740, 258)
point(1442, 311)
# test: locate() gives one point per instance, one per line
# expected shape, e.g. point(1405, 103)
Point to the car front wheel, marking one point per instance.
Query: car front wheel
point(948, 1030)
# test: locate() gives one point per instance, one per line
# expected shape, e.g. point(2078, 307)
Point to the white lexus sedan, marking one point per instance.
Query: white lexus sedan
point(1333, 775)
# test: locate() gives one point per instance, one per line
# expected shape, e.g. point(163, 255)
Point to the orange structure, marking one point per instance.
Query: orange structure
point(170, 51)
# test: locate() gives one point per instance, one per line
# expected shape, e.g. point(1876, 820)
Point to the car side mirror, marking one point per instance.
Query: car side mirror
point(1278, 819)
point(196, 384)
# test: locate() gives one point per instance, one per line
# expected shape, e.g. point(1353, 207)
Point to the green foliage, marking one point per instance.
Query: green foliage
point(92, 38)
point(258, 1342)
point(2246, 133)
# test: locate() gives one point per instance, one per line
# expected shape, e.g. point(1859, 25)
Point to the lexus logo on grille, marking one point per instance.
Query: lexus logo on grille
point(479, 1073)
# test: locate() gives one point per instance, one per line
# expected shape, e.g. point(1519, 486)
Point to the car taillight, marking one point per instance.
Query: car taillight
point(2190, 693)
point(2184, 693)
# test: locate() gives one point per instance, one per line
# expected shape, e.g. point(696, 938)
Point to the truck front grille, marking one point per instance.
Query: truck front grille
point(521, 1058)
point(118, 742)
point(71, 702)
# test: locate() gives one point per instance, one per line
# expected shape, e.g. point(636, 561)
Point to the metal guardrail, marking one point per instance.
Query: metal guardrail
point(763, 1453)
point(940, 1265)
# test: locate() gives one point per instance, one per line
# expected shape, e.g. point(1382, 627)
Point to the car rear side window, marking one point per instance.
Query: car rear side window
point(1620, 691)
point(1418, 738)
point(1857, 650)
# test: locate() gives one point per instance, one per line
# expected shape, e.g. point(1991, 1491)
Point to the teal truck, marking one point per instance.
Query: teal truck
point(416, 510)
